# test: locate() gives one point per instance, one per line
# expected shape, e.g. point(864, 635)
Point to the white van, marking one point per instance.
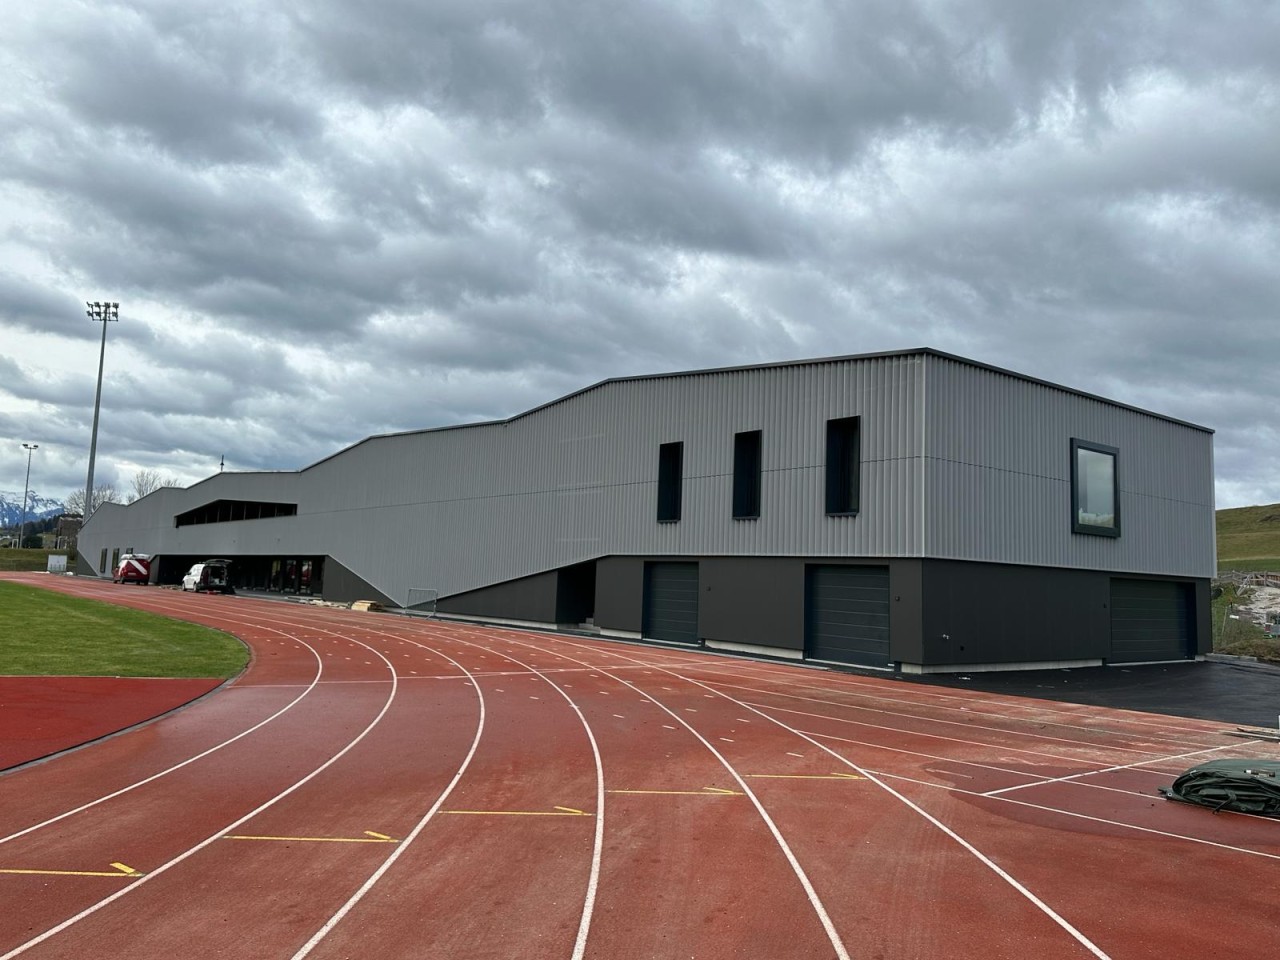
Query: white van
point(210, 576)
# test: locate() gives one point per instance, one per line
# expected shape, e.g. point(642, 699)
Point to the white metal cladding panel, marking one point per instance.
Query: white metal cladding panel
point(999, 477)
point(579, 479)
point(586, 477)
point(149, 526)
point(463, 508)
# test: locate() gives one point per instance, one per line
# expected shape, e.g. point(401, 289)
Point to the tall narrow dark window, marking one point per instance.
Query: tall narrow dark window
point(842, 466)
point(670, 469)
point(746, 475)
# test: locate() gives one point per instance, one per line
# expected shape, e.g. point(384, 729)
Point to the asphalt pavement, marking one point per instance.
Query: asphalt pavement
point(1239, 692)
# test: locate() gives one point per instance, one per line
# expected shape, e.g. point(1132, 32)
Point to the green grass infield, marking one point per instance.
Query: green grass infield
point(49, 634)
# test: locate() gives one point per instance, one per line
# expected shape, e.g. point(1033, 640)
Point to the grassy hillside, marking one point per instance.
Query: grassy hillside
point(1249, 538)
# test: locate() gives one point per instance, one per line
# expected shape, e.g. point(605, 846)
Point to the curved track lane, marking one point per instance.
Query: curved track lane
point(402, 788)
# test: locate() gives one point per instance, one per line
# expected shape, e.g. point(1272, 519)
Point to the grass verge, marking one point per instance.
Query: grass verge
point(1251, 564)
point(1240, 638)
point(28, 560)
point(50, 634)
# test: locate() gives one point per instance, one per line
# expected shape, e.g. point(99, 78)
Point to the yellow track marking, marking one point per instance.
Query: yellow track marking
point(369, 837)
point(121, 870)
point(555, 812)
point(704, 792)
point(802, 776)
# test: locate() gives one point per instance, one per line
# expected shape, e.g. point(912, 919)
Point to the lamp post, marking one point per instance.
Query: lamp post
point(101, 312)
point(26, 487)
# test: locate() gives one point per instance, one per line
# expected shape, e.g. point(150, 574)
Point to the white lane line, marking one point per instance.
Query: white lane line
point(1090, 817)
point(413, 834)
point(1052, 914)
point(999, 871)
point(1169, 724)
point(909, 733)
point(597, 848)
point(230, 828)
point(1019, 734)
point(178, 766)
point(981, 766)
point(1127, 766)
point(814, 900)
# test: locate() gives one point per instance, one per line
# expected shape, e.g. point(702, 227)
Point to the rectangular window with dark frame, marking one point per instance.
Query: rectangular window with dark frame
point(746, 475)
point(670, 474)
point(843, 463)
point(1095, 489)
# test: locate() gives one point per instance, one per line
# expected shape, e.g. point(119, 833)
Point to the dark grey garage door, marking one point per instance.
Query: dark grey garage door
point(1150, 620)
point(671, 602)
point(847, 614)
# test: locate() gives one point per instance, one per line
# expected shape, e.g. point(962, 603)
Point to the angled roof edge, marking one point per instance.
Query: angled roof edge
point(249, 473)
point(812, 361)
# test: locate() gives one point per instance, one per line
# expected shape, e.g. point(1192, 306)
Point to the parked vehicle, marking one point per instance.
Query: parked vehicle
point(208, 577)
point(133, 568)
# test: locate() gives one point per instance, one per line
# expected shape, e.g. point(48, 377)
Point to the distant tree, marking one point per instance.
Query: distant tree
point(149, 481)
point(105, 493)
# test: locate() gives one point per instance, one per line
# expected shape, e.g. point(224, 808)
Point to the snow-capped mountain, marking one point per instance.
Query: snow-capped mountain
point(38, 508)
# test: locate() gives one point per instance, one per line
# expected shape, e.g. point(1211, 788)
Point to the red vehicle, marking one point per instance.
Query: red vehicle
point(134, 568)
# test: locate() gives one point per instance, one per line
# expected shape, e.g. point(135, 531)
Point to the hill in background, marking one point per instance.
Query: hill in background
point(1249, 538)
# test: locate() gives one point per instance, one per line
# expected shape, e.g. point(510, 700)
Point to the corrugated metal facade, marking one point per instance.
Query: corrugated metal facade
point(957, 461)
point(999, 477)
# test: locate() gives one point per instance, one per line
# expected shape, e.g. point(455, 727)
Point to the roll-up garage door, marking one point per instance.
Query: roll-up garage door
point(1150, 620)
point(847, 614)
point(671, 602)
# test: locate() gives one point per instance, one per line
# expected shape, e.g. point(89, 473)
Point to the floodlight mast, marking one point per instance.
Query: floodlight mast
point(99, 312)
point(26, 488)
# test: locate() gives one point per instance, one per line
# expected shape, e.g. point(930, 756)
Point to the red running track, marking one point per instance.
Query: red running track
point(381, 787)
point(40, 716)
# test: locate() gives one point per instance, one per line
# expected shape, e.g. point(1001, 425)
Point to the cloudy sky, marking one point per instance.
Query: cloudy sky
point(327, 219)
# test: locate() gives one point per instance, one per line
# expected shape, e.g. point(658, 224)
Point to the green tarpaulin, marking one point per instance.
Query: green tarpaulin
point(1245, 786)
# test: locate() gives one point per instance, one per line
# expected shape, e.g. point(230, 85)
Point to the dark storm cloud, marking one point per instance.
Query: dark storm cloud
point(35, 307)
point(333, 219)
point(203, 85)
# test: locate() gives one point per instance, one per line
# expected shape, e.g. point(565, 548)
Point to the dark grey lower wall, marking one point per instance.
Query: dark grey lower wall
point(941, 611)
point(619, 593)
point(343, 586)
point(752, 600)
point(1203, 593)
point(529, 598)
point(993, 613)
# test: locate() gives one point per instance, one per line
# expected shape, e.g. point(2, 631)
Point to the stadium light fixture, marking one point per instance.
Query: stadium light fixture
point(98, 312)
point(26, 488)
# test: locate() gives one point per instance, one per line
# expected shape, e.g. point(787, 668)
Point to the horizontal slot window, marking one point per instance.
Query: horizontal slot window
point(230, 511)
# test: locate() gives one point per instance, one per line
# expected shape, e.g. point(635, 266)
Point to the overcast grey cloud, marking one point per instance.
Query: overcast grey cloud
point(326, 220)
